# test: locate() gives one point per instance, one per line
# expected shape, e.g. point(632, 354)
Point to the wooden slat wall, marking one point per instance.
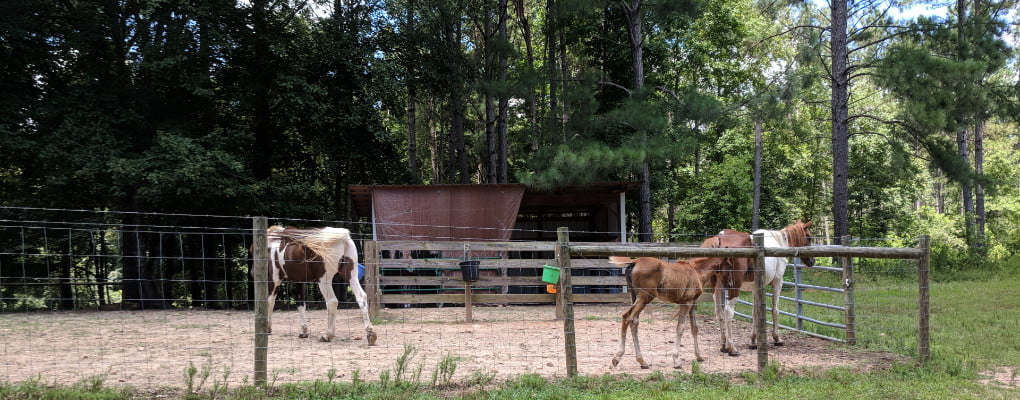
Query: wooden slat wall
point(493, 282)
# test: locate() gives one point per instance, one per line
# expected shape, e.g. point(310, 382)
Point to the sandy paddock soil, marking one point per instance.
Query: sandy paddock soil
point(151, 349)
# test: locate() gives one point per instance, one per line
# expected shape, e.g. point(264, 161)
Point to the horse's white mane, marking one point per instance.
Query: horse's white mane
point(778, 236)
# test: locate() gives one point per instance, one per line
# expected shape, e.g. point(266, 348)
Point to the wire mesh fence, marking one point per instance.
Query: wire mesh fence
point(155, 300)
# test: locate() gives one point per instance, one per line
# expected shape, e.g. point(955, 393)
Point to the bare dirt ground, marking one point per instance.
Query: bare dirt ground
point(152, 349)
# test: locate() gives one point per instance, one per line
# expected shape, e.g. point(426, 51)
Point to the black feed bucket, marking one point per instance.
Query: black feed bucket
point(469, 270)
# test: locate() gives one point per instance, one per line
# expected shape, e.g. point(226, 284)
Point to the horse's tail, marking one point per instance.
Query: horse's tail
point(630, 283)
point(330, 243)
point(628, 267)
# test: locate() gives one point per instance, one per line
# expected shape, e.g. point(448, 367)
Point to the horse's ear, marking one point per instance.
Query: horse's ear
point(808, 223)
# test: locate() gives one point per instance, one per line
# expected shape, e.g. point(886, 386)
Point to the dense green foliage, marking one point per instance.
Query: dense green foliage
point(275, 108)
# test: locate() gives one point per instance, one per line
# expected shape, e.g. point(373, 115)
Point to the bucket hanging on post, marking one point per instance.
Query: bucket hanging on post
point(550, 274)
point(469, 270)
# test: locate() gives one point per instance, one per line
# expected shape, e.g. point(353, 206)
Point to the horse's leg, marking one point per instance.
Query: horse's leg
point(694, 333)
point(271, 303)
point(302, 299)
point(777, 288)
point(634, 322)
point(275, 261)
point(624, 324)
point(719, 298)
point(630, 321)
point(724, 316)
point(351, 252)
point(681, 317)
point(362, 298)
point(326, 288)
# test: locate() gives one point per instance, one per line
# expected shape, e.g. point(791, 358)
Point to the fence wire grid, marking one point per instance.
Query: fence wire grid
point(159, 300)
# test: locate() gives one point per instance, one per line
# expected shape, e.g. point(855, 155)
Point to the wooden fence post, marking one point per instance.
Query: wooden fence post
point(923, 281)
point(260, 272)
point(372, 289)
point(759, 302)
point(468, 317)
point(566, 290)
point(848, 295)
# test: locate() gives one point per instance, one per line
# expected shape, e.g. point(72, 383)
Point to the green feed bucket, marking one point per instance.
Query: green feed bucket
point(550, 274)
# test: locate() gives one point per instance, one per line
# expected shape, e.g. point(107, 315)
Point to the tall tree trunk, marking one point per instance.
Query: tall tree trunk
point(435, 153)
point(966, 186)
point(458, 169)
point(193, 268)
point(412, 131)
point(101, 267)
point(262, 164)
point(940, 197)
point(489, 76)
point(491, 140)
point(840, 120)
point(211, 265)
point(65, 280)
point(565, 76)
point(530, 60)
point(552, 49)
point(412, 97)
point(137, 282)
point(633, 14)
point(460, 173)
point(504, 99)
point(979, 189)
point(756, 201)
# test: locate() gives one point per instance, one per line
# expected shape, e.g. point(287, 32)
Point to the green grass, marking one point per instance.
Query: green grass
point(974, 329)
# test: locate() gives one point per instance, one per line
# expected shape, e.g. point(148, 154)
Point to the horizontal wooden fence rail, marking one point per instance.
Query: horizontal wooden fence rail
point(685, 252)
point(394, 279)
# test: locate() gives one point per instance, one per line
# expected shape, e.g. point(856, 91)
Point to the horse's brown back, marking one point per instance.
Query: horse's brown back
point(680, 282)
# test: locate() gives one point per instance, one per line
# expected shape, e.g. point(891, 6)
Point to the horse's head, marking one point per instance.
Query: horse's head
point(799, 235)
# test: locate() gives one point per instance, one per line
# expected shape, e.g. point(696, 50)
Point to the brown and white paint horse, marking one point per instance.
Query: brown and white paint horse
point(726, 282)
point(649, 278)
point(315, 255)
point(797, 234)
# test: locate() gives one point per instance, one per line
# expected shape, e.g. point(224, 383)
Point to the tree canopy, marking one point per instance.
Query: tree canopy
point(275, 108)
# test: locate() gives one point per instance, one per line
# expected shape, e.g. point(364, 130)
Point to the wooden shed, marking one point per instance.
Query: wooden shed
point(423, 214)
point(594, 213)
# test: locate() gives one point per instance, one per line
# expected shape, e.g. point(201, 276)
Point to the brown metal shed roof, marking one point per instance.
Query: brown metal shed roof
point(560, 199)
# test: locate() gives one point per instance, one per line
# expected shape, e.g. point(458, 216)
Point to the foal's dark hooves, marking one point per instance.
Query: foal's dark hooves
point(752, 346)
point(303, 336)
point(644, 367)
point(733, 354)
point(777, 344)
